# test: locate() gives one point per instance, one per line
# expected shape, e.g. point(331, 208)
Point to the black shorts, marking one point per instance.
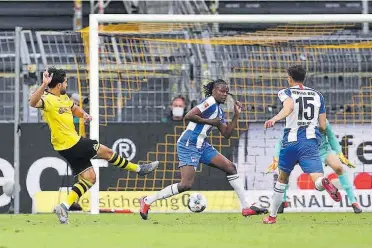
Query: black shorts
point(80, 154)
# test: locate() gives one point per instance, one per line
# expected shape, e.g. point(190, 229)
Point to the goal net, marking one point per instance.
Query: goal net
point(137, 64)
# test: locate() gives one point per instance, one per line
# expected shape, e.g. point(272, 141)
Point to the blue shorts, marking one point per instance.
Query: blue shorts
point(304, 152)
point(191, 155)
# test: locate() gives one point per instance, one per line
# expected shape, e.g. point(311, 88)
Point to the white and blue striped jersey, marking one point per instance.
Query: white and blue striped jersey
point(302, 123)
point(196, 133)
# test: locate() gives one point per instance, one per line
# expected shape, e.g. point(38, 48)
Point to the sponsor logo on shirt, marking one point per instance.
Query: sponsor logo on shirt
point(63, 110)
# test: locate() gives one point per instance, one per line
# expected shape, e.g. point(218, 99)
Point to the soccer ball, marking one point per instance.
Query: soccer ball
point(197, 202)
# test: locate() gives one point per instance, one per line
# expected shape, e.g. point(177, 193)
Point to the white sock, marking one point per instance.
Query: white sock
point(162, 194)
point(277, 198)
point(318, 184)
point(238, 185)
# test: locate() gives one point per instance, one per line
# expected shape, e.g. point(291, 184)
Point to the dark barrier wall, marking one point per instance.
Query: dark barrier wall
point(6, 161)
point(43, 169)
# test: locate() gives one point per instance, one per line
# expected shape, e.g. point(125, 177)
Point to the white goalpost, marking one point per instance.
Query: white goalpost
point(96, 19)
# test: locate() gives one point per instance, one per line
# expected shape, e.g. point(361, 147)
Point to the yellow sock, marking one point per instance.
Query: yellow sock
point(77, 191)
point(123, 163)
point(72, 197)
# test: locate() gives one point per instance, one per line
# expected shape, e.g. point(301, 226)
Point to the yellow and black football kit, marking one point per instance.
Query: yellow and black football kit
point(78, 151)
point(56, 111)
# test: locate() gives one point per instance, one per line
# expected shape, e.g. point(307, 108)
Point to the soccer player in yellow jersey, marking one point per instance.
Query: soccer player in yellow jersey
point(58, 111)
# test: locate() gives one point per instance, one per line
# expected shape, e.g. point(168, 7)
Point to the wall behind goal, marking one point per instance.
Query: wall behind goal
point(257, 146)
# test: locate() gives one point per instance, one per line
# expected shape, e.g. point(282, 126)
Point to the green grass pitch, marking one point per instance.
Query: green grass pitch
point(300, 230)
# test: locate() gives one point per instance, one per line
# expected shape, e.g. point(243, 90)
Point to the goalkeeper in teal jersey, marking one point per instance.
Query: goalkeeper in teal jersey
point(331, 154)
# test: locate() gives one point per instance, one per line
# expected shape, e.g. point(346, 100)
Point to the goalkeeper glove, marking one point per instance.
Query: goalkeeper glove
point(272, 167)
point(344, 160)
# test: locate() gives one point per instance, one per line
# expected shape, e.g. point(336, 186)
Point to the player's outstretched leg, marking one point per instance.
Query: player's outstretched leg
point(187, 180)
point(85, 181)
point(62, 213)
point(323, 183)
point(118, 161)
point(221, 162)
point(333, 161)
point(311, 163)
point(277, 198)
point(288, 158)
point(284, 201)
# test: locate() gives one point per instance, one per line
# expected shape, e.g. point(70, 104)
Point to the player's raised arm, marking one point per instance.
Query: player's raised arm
point(195, 114)
point(287, 109)
point(35, 99)
point(227, 129)
point(80, 113)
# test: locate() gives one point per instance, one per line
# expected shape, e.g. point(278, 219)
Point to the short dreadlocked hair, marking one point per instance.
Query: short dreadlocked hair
point(210, 86)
